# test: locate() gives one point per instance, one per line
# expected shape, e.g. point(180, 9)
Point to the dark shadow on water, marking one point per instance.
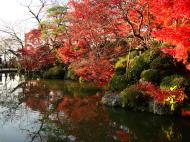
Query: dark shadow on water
point(146, 127)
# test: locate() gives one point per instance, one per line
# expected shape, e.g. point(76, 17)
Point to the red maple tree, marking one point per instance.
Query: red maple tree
point(96, 31)
point(35, 55)
point(172, 18)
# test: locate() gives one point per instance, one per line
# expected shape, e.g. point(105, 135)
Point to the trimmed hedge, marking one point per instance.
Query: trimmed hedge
point(150, 54)
point(134, 98)
point(162, 63)
point(151, 75)
point(118, 82)
point(124, 61)
point(138, 65)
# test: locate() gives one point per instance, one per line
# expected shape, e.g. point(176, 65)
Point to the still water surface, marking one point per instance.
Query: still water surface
point(65, 111)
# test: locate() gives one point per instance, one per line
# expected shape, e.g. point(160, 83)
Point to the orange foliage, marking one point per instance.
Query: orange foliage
point(161, 95)
point(95, 28)
point(33, 38)
point(172, 18)
point(35, 58)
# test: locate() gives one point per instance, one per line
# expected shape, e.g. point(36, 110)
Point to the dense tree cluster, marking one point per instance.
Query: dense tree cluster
point(89, 35)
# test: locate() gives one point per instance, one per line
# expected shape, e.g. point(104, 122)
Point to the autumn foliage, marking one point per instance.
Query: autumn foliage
point(90, 34)
point(173, 21)
point(97, 30)
point(160, 95)
point(35, 55)
point(33, 38)
point(33, 59)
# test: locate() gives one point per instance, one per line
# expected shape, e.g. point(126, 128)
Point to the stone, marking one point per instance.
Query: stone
point(72, 138)
point(163, 109)
point(111, 100)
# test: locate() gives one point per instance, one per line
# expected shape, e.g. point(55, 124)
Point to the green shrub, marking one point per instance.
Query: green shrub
point(162, 63)
point(82, 80)
point(54, 73)
point(124, 61)
point(151, 75)
point(133, 98)
point(150, 54)
point(120, 71)
point(133, 54)
point(140, 62)
point(118, 82)
point(173, 82)
point(71, 74)
point(138, 65)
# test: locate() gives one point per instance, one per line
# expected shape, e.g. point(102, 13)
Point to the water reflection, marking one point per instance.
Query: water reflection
point(58, 111)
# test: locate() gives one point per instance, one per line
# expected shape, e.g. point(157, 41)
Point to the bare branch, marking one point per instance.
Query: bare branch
point(36, 15)
point(11, 32)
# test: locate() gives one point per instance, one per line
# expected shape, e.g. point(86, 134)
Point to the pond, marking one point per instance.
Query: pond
point(65, 111)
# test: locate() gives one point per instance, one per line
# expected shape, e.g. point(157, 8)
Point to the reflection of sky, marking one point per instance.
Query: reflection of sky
point(8, 83)
point(14, 118)
point(13, 130)
point(9, 89)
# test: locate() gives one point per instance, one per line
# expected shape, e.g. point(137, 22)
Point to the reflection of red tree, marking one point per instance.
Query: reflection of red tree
point(185, 112)
point(80, 116)
point(35, 104)
point(84, 116)
point(122, 135)
point(37, 96)
point(81, 109)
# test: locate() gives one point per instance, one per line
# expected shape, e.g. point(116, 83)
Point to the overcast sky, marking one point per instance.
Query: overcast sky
point(13, 12)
